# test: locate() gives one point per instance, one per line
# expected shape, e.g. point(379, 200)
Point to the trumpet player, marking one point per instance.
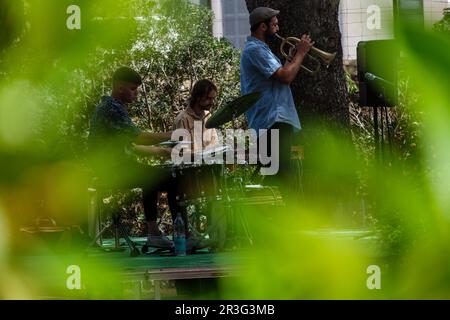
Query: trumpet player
point(262, 71)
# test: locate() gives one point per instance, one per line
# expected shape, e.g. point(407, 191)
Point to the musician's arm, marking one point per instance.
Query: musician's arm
point(152, 151)
point(289, 71)
point(149, 138)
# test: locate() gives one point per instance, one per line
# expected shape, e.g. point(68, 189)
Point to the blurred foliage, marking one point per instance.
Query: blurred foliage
point(401, 165)
point(443, 25)
point(404, 188)
point(168, 42)
point(51, 78)
point(352, 86)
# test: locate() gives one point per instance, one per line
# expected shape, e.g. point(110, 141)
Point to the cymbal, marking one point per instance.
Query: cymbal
point(232, 110)
point(173, 143)
point(216, 150)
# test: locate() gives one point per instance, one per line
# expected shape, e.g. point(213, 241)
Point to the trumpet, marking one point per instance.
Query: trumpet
point(314, 53)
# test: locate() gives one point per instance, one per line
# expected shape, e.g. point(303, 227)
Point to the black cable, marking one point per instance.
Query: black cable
point(388, 124)
point(376, 133)
point(382, 132)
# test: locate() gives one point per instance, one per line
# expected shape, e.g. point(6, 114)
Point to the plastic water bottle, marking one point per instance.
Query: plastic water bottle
point(179, 236)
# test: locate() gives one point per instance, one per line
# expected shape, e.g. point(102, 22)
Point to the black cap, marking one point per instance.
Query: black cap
point(262, 14)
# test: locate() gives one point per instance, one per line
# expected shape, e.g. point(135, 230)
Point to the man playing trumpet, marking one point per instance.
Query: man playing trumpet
point(262, 71)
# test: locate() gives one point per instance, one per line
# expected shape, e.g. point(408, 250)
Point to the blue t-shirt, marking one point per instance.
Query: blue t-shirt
point(258, 64)
point(112, 130)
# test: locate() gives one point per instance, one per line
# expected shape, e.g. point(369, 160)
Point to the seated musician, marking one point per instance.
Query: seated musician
point(193, 118)
point(114, 141)
point(202, 99)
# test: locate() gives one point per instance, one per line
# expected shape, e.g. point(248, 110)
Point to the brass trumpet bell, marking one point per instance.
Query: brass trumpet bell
point(315, 54)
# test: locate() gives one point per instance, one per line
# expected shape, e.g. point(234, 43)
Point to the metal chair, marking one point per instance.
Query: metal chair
point(96, 192)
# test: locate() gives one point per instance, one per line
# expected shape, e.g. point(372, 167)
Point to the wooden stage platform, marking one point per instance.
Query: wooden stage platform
point(116, 275)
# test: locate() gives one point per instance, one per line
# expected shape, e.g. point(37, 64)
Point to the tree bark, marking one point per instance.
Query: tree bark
point(322, 97)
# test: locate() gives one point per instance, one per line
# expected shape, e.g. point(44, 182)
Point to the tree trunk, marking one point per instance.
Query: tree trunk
point(322, 97)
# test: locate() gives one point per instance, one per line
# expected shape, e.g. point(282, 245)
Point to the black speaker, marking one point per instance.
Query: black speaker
point(377, 62)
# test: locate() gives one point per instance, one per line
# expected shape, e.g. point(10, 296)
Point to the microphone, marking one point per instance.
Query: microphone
point(371, 77)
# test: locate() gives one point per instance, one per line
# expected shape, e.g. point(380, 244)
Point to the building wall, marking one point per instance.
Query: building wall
point(218, 23)
point(201, 2)
point(235, 20)
point(231, 20)
point(433, 10)
point(353, 16)
point(356, 18)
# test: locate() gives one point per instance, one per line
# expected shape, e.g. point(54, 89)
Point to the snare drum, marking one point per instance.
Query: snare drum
point(197, 180)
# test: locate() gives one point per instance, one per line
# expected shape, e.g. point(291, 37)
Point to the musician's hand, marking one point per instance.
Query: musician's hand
point(152, 151)
point(292, 53)
point(163, 153)
point(166, 153)
point(304, 45)
point(151, 138)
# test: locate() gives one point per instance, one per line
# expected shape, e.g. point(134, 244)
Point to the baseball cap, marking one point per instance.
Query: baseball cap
point(261, 14)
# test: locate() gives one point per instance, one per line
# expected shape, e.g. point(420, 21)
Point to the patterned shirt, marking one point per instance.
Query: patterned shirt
point(258, 64)
point(112, 130)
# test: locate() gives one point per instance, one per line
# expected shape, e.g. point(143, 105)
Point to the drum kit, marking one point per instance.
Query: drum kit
point(216, 192)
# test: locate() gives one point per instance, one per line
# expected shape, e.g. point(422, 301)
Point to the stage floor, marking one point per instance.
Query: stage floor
point(105, 274)
point(100, 274)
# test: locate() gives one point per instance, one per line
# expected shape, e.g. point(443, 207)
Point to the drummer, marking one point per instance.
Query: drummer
point(198, 111)
point(193, 119)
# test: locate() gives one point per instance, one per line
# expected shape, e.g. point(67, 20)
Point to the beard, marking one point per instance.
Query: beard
point(270, 37)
